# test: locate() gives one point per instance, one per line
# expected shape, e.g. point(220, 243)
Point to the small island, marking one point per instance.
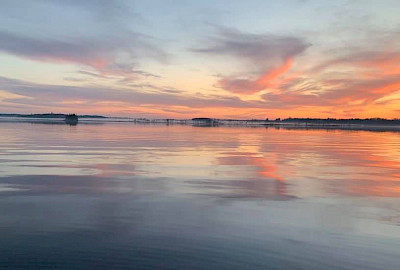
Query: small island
point(71, 119)
point(204, 121)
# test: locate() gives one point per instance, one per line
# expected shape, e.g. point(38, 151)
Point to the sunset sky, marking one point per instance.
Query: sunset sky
point(184, 59)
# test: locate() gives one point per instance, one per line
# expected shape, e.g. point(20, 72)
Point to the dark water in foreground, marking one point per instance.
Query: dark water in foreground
point(121, 195)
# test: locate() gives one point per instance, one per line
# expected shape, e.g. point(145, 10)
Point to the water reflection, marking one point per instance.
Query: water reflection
point(121, 195)
point(225, 161)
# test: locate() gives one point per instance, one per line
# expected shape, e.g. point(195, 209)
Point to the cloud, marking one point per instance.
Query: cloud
point(365, 73)
point(125, 77)
point(351, 69)
point(272, 55)
point(57, 95)
point(356, 78)
point(258, 48)
point(376, 59)
point(343, 98)
point(103, 41)
point(366, 91)
point(347, 93)
point(245, 86)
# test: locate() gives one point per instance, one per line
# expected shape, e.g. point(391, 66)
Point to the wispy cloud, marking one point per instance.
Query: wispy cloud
point(360, 75)
point(347, 78)
point(117, 51)
point(54, 95)
point(272, 55)
point(103, 42)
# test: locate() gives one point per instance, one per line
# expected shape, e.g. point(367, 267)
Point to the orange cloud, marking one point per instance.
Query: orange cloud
point(243, 86)
point(267, 77)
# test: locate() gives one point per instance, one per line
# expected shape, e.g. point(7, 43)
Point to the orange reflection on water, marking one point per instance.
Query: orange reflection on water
point(265, 168)
point(223, 161)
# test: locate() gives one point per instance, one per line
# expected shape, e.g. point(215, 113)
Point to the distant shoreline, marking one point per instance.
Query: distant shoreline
point(374, 124)
point(46, 115)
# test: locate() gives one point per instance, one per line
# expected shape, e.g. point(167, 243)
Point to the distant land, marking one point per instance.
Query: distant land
point(47, 115)
point(373, 124)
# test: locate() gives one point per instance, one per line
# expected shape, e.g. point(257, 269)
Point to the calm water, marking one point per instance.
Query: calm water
point(119, 195)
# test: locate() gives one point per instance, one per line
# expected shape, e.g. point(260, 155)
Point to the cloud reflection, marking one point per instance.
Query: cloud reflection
point(221, 162)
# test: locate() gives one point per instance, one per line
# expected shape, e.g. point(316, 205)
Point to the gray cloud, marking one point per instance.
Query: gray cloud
point(263, 50)
point(342, 93)
point(92, 52)
point(53, 95)
point(268, 53)
point(93, 33)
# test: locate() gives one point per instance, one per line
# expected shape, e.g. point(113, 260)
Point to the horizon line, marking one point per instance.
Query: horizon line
point(203, 117)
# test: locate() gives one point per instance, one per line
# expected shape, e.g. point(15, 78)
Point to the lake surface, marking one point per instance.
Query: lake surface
point(126, 196)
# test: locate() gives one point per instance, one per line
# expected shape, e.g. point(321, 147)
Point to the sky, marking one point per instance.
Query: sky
point(183, 59)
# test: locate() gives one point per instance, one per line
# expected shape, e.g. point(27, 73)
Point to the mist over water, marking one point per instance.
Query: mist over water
point(120, 195)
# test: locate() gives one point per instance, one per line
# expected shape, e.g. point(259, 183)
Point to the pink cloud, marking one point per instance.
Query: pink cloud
point(243, 86)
